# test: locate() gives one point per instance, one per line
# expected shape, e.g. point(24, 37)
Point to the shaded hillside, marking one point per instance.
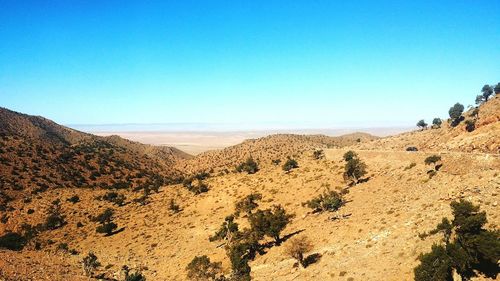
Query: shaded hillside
point(37, 154)
point(484, 138)
point(266, 149)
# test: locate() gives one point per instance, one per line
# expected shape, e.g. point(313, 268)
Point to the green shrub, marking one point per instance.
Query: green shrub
point(74, 199)
point(455, 113)
point(227, 230)
point(470, 125)
point(107, 228)
point(435, 265)
point(104, 216)
point(436, 122)
point(349, 155)
point(114, 197)
point(239, 258)
point(90, 264)
point(247, 204)
point(270, 222)
point(328, 201)
point(198, 188)
point(472, 249)
point(249, 166)
point(201, 269)
point(12, 241)
point(290, 164)
point(487, 91)
point(433, 159)
point(421, 124)
point(55, 219)
point(354, 169)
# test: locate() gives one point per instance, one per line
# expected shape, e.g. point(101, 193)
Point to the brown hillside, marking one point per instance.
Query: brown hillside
point(485, 138)
point(266, 149)
point(37, 154)
point(375, 236)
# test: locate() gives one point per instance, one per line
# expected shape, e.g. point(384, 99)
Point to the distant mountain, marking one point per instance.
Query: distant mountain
point(37, 154)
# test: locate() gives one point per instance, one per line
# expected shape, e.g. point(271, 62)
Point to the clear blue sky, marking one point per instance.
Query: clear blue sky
point(305, 63)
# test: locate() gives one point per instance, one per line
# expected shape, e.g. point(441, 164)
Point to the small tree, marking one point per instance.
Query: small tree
point(297, 247)
point(349, 155)
point(355, 169)
point(198, 187)
point(421, 124)
point(487, 91)
point(249, 166)
point(290, 164)
point(436, 122)
point(433, 159)
point(470, 125)
point(247, 204)
point(497, 89)
point(328, 201)
point(107, 228)
point(202, 269)
point(455, 113)
point(270, 222)
point(90, 264)
point(103, 217)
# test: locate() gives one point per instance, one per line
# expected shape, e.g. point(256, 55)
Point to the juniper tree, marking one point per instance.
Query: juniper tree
point(249, 166)
point(497, 89)
point(468, 247)
point(421, 124)
point(290, 164)
point(487, 91)
point(349, 155)
point(455, 113)
point(270, 222)
point(247, 204)
point(328, 201)
point(201, 269)
point(437, 122)
point(354, 170)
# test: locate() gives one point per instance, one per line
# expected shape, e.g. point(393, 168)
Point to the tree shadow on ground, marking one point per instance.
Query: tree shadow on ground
point(262, 247)
point(115, 232)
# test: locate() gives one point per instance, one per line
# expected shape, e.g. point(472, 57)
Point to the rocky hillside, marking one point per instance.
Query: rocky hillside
point(385, 221)
point(485, 137)
point(265, 150)
point(37, 154)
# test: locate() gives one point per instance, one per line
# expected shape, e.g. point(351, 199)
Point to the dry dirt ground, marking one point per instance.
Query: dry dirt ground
point(377, 241)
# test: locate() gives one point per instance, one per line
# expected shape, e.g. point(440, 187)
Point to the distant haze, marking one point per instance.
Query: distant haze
point(196, 138)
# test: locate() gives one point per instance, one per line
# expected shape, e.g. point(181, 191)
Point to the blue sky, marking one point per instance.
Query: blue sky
point(317, 64)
